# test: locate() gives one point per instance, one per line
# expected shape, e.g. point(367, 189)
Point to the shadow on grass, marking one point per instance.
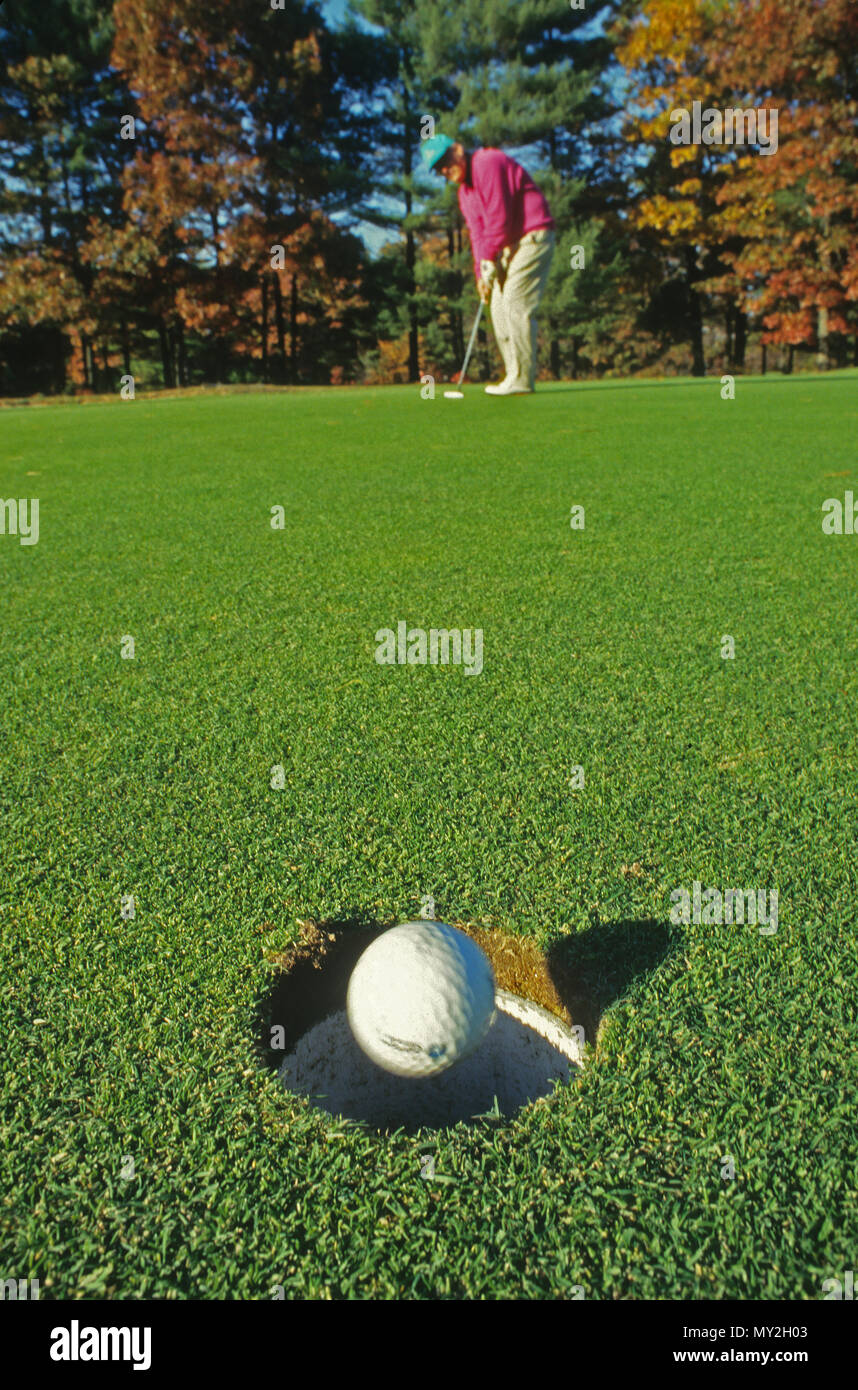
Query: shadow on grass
point(593, 969)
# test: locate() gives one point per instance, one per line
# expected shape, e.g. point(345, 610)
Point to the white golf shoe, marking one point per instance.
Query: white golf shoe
point(510, 387)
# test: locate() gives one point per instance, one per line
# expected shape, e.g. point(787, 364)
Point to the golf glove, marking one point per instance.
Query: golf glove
point(488, 275)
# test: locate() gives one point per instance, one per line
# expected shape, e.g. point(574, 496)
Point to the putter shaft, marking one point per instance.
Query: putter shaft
point(470, 344)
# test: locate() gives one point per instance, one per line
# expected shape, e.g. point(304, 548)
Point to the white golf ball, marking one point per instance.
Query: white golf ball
point(421, 997)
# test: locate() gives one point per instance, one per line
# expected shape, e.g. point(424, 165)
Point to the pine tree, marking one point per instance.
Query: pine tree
point(521, 76)
point(408, 90)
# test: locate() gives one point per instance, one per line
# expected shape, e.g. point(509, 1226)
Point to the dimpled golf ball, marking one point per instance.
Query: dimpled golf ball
point(421, 997)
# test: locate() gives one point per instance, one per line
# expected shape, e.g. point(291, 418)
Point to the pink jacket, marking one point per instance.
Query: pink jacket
point(499, 204)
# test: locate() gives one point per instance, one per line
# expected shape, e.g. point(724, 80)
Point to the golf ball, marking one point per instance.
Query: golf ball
point(420, 997)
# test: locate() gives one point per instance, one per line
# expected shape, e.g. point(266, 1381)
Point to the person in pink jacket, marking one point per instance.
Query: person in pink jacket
point(512, 242)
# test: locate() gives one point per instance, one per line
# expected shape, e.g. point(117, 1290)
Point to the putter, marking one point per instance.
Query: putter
point(458, 395)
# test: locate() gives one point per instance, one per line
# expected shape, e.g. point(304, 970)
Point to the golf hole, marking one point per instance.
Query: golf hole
point(541, 1025)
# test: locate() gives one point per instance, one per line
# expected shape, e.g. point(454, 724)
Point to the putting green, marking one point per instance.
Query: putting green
point(253, 765)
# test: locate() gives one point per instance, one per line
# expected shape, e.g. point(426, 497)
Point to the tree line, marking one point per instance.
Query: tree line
point(184, 183)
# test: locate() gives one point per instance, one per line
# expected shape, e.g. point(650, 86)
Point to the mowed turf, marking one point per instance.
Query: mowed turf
point(136, 1041)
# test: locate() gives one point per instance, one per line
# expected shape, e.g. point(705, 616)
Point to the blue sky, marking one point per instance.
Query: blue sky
point(333, 9)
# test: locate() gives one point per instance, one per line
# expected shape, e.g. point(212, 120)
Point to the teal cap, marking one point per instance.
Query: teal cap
point(432, 149)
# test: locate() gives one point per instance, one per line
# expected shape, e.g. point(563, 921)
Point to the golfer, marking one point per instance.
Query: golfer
point(512, 241)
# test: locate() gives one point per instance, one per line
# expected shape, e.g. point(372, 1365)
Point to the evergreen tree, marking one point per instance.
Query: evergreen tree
point(408, 91)
point(521, 75)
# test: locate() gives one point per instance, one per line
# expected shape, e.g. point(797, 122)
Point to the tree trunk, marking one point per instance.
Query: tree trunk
point(728, 320)
point(555, 358)
point(126, 347)
point(764, 352)
point(281, 328)
point(575, 346)
point(740, 340)
point(695, 315)
point(293, 329)
point(698, 367)
point(410, 255)
point(460, 318)
point(822, 337)
point(45, 217)
point(455, 314)
point(182, 354)
point(88, 364)
point(265, 327)
point(787, 368)
point(166, 355)
point(413, 329)
point(59, 356)
point(457, 335)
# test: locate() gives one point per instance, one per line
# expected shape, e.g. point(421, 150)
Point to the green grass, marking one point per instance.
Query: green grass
point(602, 648)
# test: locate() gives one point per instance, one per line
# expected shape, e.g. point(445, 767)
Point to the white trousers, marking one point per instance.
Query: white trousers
point(515, 299)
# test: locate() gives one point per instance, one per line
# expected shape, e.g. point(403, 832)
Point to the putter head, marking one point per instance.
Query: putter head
point(454, 395)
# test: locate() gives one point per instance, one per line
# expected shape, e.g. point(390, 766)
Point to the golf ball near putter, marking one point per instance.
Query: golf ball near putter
point(421, 997)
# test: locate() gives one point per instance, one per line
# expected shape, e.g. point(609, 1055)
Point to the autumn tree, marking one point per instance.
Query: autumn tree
point(242, 105)
point(664, 47)
point(61, 161)
point(794, 215)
